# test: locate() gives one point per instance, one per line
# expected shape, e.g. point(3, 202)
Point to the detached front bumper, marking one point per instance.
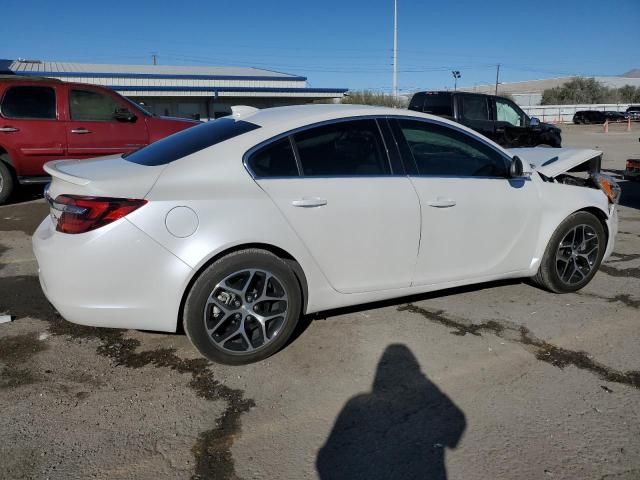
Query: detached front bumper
point(115, 276)
point(612, 227)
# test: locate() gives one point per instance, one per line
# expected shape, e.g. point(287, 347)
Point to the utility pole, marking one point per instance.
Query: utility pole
point(154, 57)
point(395, 48)
point(497, 77)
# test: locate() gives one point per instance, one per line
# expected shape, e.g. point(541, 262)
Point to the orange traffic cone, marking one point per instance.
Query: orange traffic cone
point(628, 124)
point(606, 126)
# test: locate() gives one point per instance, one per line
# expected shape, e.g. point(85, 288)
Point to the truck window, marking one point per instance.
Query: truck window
point(438, 104)
point(89, 105)
point(475, 107)
point(29, 102)
point(506, 112)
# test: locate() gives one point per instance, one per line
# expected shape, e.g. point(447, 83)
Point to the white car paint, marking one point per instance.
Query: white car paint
point(374, 239)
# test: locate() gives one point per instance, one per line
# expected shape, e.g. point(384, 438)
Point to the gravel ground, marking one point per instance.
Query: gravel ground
point(500, 380)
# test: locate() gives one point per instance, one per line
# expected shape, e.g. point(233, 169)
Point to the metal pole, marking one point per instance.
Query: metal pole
point(395, 48)
point(155, 59)
point(497, 77)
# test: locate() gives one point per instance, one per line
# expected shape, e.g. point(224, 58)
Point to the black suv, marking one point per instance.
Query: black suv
point(498, 118)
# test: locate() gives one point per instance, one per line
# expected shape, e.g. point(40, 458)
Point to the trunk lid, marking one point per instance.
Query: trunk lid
point(553, 161)
point(110, 176)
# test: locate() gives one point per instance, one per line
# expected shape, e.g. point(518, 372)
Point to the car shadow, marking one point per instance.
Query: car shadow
point(399, 430)
point(26, 193)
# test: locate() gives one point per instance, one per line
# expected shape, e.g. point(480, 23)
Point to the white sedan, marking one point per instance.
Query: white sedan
point(239, 226)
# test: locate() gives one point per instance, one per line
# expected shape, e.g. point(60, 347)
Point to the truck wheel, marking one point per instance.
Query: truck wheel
point(7, 181)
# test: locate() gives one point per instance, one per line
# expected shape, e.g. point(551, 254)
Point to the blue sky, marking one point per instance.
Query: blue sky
point(338, 43)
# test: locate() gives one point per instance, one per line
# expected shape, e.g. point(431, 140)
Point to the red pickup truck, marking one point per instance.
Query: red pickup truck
point(44, 119)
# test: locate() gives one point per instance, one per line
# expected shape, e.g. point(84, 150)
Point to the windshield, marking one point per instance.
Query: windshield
point(137, 106)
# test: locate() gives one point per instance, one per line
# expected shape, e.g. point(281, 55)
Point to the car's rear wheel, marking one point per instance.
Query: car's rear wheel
point(573, 254)
point(243, 307)
point(7, 181)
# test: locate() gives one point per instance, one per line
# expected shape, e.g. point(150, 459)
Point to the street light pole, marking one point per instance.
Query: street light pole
point(456, 76)
point(395, 48)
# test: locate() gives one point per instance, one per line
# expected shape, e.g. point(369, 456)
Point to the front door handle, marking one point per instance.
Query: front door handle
point(441, 202)
point(309, 202)
point(8, 129)
point(80, 131)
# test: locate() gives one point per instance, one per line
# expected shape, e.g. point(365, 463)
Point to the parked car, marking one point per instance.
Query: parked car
point(497, 118)
point(613, 116)
point(42, 119)
point(238, 226)
point(632, 169)
point(597, 116)
point(634, 112)
point(588, 116)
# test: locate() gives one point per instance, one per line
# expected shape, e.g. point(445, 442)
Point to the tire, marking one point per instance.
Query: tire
point(222, 322)
point(568, 269)
point(7, 181)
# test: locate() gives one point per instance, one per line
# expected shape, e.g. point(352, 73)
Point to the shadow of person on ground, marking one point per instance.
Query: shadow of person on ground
point(397, 431)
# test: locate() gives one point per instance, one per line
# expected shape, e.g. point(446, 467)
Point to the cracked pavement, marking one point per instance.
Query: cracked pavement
point(500, 380)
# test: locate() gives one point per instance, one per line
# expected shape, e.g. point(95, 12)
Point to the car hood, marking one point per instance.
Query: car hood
point(553, 161)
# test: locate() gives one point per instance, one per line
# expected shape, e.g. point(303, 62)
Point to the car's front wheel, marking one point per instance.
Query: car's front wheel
point(573, 254)
point(243, 307)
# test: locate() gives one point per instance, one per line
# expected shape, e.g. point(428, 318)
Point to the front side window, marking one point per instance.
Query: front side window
point(351, 148)
point(443, 151)
point(275, 160)
point(505, 112)
point(475, 107)
point(29, 102)
point(89, 105)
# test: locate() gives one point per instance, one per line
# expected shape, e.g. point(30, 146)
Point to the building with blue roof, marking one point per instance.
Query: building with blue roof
point(183, 91)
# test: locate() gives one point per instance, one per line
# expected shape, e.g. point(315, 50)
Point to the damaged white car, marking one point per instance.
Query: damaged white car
point(239, 226)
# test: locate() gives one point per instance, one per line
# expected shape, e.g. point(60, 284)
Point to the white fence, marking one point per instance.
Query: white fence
point(564, 113)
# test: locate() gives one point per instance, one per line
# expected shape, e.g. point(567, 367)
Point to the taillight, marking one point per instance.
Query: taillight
point(79, 214)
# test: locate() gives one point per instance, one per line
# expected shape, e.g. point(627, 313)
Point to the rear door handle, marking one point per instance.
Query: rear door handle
point(80, 131)
point(442, 202)
point(309, 202)
point(8, 129)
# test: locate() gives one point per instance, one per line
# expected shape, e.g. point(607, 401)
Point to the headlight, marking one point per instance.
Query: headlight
point(608, 185)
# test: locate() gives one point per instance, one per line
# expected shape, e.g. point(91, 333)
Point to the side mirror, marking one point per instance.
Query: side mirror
point(516, 169)
point(534, 122)
point(124, 114)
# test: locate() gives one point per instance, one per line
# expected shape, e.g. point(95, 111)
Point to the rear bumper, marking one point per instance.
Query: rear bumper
point(115, 276)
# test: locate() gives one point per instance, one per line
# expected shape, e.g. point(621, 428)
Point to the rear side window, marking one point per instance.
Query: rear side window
point(275, 160)
point(29, 102)
point(189, 141)
point(88, 105)
point(352, 148)
point(438, 104)
point(475, 107)
point(443, 151)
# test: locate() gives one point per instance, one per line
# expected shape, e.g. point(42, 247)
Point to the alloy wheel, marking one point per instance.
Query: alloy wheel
point(577, 254)
point(246, 311)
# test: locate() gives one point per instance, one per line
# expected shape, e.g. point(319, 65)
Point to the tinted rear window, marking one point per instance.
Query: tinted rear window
point(438, 104)
point(189, 141)
point(29, 102)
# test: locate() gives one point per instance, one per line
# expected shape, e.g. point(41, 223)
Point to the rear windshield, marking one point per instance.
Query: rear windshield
point(189, 141)
point(437, 104)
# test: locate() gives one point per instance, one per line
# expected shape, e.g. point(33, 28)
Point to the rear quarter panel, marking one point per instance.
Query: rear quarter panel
point(232, 211)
